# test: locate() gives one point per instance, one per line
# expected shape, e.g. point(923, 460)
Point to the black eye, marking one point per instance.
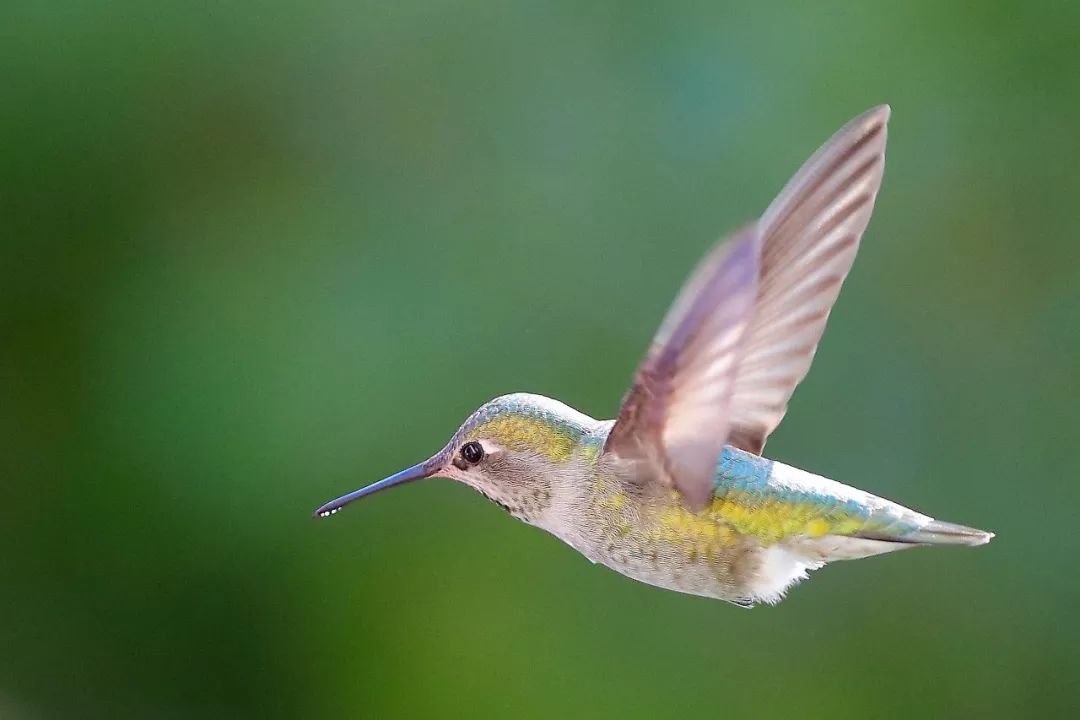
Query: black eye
point(473, 452)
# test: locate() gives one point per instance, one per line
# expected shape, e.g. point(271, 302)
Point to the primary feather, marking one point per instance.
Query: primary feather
point(810, 235)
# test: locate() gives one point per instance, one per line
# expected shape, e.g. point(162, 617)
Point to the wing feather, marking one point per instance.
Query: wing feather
point(810, 235)
point(742, 332)
point(675, 415)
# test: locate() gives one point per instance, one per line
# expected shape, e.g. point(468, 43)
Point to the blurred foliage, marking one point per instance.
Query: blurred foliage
point(254, 255)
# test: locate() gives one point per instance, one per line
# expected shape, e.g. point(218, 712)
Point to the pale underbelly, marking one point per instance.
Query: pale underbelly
point(698, 569)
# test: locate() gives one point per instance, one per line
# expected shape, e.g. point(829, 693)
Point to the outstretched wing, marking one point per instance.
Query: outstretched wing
point(810, 235)
point(744, 329)
point(676, 414)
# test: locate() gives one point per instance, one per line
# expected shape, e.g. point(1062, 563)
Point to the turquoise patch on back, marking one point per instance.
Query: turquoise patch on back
point(738, 470)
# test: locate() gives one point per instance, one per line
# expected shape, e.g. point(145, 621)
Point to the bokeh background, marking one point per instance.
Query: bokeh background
point(254, 255)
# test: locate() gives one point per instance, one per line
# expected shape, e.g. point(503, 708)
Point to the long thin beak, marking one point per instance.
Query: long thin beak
point(416, 472)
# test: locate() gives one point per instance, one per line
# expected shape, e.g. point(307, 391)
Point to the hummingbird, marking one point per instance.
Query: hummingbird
point(675, 492)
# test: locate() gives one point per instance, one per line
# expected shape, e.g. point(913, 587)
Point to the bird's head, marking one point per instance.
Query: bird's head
point(509, 450)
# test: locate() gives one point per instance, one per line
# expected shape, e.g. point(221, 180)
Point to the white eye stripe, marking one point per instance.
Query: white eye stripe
point(490, 447)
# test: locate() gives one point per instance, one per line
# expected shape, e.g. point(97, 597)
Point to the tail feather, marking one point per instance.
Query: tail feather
point(937, 532)
point(806, 553)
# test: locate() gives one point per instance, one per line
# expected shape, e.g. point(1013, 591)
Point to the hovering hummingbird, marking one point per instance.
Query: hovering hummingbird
point(675, 492)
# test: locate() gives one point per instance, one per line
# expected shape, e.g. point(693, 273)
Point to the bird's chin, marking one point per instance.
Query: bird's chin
point(472, 480)
point(452, 473)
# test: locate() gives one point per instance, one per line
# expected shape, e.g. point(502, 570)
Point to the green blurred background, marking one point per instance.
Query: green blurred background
point(256, 255)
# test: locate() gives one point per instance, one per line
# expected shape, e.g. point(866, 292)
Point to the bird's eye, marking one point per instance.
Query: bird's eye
point(473, 452)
